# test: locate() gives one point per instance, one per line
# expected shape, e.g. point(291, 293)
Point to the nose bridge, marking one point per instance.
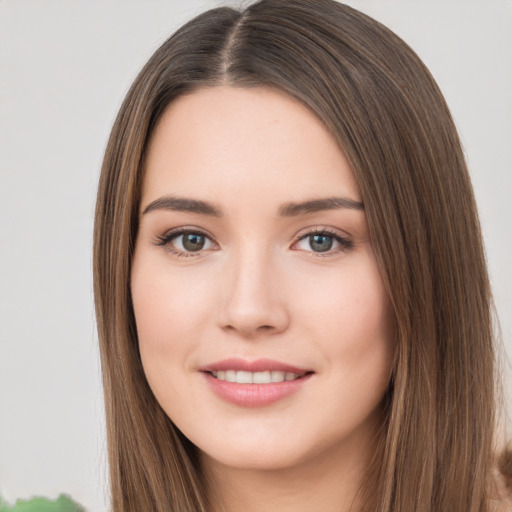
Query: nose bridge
point(252, 301)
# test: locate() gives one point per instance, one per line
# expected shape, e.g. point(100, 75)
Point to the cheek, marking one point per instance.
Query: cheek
point(351, 322)
point(369, 351)
point(170, 309)
point(355, 333)
point(352, 303)
point(167, 304)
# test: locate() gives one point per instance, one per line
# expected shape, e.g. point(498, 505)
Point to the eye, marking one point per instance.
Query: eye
point(185, 242)
point(323, 242)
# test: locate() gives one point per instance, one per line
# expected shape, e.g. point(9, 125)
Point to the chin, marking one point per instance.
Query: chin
point(274, 453)
point(254, 460)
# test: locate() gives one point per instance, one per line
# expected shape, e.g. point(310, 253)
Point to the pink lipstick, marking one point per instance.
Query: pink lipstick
point(254, 383)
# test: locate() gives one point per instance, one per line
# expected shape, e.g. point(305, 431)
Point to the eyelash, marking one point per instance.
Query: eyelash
point(166, 239)
point(345, 244)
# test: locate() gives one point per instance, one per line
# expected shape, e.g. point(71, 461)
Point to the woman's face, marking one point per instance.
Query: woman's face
point(264, 328)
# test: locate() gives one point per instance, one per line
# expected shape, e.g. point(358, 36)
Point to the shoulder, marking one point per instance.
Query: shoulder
point(502, 495)
point(503, 502)
point(504, 505)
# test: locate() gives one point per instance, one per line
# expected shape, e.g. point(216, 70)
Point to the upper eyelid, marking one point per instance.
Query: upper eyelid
point(323, 229)
point(344, 239)
point(175, 232)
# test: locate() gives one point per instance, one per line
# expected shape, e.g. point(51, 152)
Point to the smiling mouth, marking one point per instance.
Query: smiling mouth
point(254, 383)
point(266, 377)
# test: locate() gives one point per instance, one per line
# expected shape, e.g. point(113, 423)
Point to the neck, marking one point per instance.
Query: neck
point(327, 482)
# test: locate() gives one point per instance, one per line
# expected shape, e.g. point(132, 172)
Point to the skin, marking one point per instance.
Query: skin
point(259, 289)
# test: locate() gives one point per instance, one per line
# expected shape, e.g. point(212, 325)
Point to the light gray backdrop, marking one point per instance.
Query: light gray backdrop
point(64, 68)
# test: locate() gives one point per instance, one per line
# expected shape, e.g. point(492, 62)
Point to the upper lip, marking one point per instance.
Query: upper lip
point(259, 365)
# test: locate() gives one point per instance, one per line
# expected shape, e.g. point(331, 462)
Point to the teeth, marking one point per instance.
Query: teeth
point(261, 378)
point(277, 376)
point(242, 377)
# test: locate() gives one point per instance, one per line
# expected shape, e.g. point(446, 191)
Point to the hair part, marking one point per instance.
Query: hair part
point(390, 119)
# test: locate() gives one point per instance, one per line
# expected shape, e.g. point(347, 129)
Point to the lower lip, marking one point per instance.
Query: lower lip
point(254, 395)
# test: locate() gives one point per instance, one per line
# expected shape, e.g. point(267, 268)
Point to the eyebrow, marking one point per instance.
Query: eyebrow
point(291, 209)
point(318, 205)
point(182, 204)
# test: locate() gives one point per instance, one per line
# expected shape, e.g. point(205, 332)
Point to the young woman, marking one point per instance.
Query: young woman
point(292, 299)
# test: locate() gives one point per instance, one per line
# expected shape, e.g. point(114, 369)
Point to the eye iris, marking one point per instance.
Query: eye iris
point(193, 242)
point(320, 243)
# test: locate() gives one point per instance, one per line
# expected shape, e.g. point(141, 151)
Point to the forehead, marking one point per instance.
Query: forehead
point(229, 140)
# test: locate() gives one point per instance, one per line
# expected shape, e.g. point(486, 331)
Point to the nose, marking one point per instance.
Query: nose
point(253, 299)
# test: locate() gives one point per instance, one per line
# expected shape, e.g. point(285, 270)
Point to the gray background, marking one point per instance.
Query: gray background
point(64, 68)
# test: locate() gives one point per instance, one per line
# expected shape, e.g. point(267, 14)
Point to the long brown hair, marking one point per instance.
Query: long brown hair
point(390, 119)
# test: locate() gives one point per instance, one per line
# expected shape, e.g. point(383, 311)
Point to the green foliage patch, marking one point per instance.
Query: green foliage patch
point(63, 503)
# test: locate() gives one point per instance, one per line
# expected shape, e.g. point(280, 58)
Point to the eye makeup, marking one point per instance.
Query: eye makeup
point(193, 242)
point(324, 241)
